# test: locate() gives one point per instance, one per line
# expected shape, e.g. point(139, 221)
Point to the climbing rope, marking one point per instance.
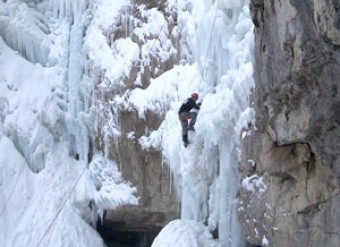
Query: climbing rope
point(61, 207)
point(209, 43)
point(12, 191)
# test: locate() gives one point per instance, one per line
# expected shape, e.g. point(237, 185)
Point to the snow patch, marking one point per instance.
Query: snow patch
point(184, 233)
point(111, 190)
point(254, 183)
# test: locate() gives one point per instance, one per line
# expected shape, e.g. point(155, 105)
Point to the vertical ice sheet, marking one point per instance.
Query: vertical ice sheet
point(221, 40)
point(75, 76)
point(37, 198)
point(229, 227)
point(68, 8)
point(76, 85)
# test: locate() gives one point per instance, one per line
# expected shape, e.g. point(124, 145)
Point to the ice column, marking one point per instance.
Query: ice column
point(76, 11)
point(229, 228)
point(74, 76)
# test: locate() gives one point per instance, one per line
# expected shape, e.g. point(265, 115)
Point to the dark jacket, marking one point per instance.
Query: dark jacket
point(188, 105)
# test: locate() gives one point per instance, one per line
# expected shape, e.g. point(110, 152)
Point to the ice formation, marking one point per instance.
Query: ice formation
point(44, 115)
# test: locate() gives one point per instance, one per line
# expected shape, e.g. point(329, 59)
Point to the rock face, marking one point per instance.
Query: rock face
point(290, 164)
point(117, 128)
point(157, 203)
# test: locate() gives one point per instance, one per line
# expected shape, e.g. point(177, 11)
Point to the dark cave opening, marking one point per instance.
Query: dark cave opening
point(123, 237)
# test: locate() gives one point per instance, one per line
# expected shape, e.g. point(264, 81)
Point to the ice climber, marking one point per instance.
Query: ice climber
point(185, 114)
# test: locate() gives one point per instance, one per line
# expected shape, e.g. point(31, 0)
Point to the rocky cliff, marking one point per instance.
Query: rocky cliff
point(290, 163)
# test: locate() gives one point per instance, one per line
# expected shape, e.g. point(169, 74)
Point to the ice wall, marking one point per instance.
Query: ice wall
point(227, 79)
point(69, 9)
point(26, 30)
point(217, 41)
point(226, 67)
point(76, 86)
point(216, 52)
point(48, 189)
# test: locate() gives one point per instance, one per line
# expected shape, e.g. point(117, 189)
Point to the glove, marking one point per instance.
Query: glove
point(199, 104)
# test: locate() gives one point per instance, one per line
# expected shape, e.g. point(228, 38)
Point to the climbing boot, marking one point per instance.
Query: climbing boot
point(185, 140)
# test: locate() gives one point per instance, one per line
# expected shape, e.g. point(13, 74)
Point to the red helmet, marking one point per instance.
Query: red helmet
point(194, 96)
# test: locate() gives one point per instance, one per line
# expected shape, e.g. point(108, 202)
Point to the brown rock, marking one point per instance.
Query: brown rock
point(297, 140)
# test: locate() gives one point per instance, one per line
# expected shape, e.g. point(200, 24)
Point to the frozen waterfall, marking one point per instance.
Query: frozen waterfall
point(218, 44)
point(47, 186)
point(220, 36)
point(223, 46)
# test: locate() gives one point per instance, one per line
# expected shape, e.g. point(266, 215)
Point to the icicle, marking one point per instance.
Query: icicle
point(68, 8)
point(24, 29)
